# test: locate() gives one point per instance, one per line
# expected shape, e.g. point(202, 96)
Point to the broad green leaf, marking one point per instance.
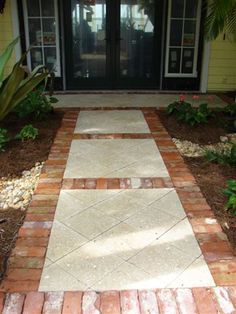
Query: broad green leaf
point(4, 58)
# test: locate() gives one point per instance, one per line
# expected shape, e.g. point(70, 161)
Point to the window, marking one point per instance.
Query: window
point(182, 38)
point(42, 34)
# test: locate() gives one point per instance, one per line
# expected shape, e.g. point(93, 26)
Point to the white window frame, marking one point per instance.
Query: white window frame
point(58, 63)
point(194, 74)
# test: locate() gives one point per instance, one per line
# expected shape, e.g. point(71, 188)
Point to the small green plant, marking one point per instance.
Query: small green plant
point(230, 192)
point(231, 109)
point(226, 157)
point(3, 139)
point(37, 105)
point(185, 112)
point(27, 133)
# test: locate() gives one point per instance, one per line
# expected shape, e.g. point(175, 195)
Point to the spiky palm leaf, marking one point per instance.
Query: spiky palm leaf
point(220, 17)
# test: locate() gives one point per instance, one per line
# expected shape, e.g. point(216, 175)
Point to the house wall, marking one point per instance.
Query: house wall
point(222, 66)
point(6, 32)
point(222, 63)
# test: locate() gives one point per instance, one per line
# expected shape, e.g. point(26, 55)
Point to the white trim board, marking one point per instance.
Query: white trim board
point(16, 27)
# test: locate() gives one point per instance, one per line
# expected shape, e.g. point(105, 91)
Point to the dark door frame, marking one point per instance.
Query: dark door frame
point(112, 80)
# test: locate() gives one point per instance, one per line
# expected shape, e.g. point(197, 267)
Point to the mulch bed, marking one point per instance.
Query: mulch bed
point(200, 134)
point(20, 156)
point(210, 177)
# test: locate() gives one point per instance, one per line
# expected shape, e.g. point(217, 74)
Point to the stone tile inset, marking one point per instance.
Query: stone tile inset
point(114, 121)
point(122, 239)
point(125, 158)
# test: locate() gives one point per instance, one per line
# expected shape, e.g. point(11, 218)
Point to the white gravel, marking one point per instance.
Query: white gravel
point(17, 193)
point(189, 149)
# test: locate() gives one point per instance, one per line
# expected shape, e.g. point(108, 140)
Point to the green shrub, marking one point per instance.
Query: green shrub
point(36, 105)
point(227, 157)
point(3, 139)
point(231, 109)
point(230, 192)
point(27, 133)
point(16, 86)
point(185, 112)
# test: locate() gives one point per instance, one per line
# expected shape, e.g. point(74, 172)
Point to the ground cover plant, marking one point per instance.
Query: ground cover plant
point(186, 112)
point(36, 105)
point(27, 133)
point(3, 139)
point(230, 192)
point(224, 157)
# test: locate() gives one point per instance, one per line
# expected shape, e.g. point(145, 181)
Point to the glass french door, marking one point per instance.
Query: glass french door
point(112, 44)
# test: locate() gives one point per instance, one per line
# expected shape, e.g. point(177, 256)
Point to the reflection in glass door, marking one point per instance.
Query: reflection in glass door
point(110, 44)
point(137, 38)
point(89, 38)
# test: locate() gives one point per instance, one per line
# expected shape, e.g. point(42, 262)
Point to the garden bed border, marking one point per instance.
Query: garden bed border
point(27, 259)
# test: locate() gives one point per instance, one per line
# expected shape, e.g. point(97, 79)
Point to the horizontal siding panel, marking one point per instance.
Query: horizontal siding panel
point(222, 67)
point(224, 45)
point(220, 54)
point(224, 72)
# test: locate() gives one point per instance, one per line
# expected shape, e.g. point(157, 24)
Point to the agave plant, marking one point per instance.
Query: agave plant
point(220, 17)
point(15, 87)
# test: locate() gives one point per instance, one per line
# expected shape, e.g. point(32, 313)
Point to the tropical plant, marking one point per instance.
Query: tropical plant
point(36, 105)
point(231, 109)
point(226, 157)
point(185, 112)
point(27, 133)
point(220, 17)
point(3, 139)
point(15, 87)
point(230, 192)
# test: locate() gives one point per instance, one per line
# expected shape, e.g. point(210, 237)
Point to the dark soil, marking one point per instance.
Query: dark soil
point(10, 222)
point(208, 133)
point(20, 156)
point(212, 178)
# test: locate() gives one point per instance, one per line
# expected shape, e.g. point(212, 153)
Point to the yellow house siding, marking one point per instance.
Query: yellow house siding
point(222, 66)
point(6, 31)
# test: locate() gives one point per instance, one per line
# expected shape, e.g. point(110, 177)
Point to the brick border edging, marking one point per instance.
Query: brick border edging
point(213, 241)
point(191, 301)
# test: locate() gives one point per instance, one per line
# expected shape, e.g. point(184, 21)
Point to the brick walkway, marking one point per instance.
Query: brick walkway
point(27, 260)
point(162, 301)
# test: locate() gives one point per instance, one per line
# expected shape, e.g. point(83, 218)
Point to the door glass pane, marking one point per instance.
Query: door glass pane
point(137, 37)
point(176, 29)
point(174, 60)
point(188, 58)
point(191, 9)
point(89, 38)
point(49, 32)
point(36, 57)
point(47, 7)
point(35, 33)
point(50, 58)
point(177, 8)
point(189, 33)
point(33, 8)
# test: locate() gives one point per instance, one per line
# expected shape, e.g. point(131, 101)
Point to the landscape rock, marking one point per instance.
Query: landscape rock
point(17, 192)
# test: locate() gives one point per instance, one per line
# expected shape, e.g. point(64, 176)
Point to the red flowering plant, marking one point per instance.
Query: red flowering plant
point(186, 112)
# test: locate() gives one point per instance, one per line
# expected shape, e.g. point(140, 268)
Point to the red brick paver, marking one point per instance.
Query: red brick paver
point(161, 301)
